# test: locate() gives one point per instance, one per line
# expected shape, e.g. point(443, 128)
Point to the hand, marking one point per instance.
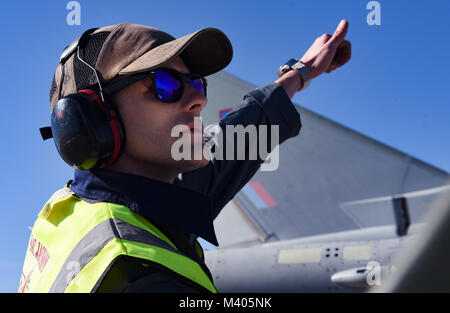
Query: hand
point(327, 53)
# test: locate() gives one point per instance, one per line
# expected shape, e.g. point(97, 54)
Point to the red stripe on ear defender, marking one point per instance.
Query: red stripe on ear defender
point(115, 129)
point(95, 96)
point(112, 124)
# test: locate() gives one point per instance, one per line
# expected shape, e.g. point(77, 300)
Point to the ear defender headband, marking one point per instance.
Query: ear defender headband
point(86, 129)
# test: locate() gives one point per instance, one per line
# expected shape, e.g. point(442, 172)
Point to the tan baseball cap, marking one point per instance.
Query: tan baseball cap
point(124, 49)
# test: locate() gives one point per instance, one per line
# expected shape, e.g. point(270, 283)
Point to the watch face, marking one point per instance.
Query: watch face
point(283, 69)
point(291, 62)
point(286, 67)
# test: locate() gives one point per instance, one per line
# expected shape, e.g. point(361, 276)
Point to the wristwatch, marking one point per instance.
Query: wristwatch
point(295, 64)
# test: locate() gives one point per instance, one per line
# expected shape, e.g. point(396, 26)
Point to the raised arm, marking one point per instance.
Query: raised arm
point(270, 105)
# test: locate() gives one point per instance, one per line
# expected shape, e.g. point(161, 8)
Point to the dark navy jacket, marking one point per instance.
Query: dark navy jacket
point(185, 209)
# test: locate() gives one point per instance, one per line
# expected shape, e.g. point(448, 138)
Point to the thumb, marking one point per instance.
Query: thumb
point(339, 33)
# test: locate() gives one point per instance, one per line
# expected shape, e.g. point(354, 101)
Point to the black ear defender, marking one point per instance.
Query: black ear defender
point(87, 131)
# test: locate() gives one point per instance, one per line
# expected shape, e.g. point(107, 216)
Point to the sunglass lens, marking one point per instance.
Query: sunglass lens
point(198, 84)
point(168, 87)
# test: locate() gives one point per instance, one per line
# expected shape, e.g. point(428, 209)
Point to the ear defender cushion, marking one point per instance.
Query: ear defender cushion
point(115, 124)
point(83, 136)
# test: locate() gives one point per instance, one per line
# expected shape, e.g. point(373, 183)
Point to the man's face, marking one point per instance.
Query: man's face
point(148, 123)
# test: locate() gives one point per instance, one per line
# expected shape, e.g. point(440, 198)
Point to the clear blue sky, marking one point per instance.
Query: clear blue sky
point(395, 89)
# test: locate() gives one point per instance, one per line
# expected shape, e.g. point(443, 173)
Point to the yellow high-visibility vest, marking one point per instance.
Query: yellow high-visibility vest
point(73, 242)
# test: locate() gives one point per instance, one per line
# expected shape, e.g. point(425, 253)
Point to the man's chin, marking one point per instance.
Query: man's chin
point(196, 157)
point(190, 165)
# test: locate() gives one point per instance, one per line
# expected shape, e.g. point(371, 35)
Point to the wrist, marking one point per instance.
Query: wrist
point(291, 81)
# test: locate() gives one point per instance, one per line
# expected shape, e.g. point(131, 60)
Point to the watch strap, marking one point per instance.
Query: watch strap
point(304, 73)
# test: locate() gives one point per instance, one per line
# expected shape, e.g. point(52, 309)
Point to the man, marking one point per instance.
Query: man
point(130, 218)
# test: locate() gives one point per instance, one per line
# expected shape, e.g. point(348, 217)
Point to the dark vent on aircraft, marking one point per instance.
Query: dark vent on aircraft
point(361, 271)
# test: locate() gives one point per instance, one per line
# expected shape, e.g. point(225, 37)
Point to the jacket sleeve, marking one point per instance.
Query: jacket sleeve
point(222, 178)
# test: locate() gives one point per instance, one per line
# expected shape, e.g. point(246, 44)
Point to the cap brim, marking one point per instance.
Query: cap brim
point(205, 52)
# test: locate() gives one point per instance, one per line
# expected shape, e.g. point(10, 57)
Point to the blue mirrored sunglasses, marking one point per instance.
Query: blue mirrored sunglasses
point(168, 84)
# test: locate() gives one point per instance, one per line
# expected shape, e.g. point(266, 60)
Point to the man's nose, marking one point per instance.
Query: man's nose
point(193, 100)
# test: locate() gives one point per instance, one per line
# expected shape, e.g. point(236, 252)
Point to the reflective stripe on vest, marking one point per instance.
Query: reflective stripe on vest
point(199, 249)
point(79, 240)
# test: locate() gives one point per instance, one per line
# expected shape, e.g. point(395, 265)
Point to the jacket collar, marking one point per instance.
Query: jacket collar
point(155, 200)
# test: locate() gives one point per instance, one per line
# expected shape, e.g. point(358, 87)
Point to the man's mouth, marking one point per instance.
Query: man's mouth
point(195, 127)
